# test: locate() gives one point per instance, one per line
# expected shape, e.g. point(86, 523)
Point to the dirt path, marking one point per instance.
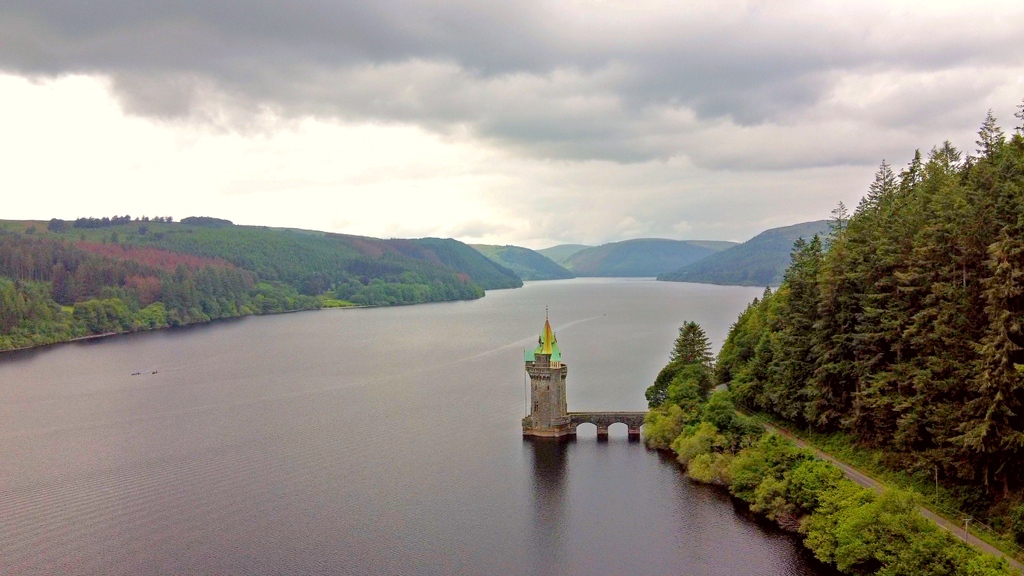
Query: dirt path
point(868, 482)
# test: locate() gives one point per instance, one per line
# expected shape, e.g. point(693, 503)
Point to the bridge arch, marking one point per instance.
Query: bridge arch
point(604, 420)
point(584, 428)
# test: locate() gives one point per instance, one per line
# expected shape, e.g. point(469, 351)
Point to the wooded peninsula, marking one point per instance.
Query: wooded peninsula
point(896, 340)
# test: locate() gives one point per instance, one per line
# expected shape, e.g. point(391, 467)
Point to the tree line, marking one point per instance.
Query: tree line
point(52, 290)
point(903, 327)
point(71, 282)
point(842, 523)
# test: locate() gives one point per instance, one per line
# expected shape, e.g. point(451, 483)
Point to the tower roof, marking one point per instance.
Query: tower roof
point(547, 343)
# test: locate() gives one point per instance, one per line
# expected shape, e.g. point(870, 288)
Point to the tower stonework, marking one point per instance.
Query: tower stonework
point(549, 415)
point(548, 410)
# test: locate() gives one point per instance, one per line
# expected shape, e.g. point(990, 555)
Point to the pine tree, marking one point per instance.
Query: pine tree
point(990, 136)
point(837, 224)
point(692, 350)
point(792, 364)
point(692, 346)
point(912, 175)
point(995, 419)
point(1019, 115)
point(884, 185)
point(832, 386)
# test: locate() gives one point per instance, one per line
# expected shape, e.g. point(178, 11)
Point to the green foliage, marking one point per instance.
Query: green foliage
point(889, 536)
point(687, 378)
point(152, 317)
point(1017, 524)
point(772, 457)
point(905, 326)
point(657, 393)
point(689, 386)
point(157, 273)
point(710, 468)
point(206, 221)
point(104, 316)
point(692, 346)
point(458, 256)
point(860, 532)
point(702, 438)
point(760, 261)
point(663, 424)
point(834, 507)
point(809, 480)
point(29, 317)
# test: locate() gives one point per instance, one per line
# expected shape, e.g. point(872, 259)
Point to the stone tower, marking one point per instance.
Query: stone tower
point(548, 411)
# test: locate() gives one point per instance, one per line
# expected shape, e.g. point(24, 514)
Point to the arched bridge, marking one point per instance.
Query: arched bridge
point(549, 415)
point(632, 420)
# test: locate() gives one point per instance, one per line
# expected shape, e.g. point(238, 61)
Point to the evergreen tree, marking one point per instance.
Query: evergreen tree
point(792, 364)
point(990, 136)
point(907, 329)
point(692, 346)
point(690, 367)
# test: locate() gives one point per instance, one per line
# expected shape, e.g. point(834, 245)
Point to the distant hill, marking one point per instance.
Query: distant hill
point(528, 264)
point(641, 257)
point(61, 280)
point(558, 254)
point(300, 256)
point(484, 271)
point(760, 261)
point(716, 245)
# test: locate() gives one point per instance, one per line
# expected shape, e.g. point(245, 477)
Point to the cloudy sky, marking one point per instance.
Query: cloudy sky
point(529, 122)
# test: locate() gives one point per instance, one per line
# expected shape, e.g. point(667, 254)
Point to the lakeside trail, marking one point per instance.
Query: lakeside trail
point(867, 481)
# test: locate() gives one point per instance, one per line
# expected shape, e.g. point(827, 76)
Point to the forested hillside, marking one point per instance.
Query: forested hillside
point(528, 264)
point(559, 253)
point(640, 258)
point(903, 328)
point(62, 280)
point(760, 261)
point(842, 522)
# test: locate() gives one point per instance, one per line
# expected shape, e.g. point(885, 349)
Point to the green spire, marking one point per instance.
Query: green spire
point(547, 343)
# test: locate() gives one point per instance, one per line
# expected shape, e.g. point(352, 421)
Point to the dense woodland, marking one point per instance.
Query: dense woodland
point(91, 276)
point(842, 523)
point(902, 327)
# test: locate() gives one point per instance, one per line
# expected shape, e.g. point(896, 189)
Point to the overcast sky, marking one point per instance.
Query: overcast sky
point(528, 122)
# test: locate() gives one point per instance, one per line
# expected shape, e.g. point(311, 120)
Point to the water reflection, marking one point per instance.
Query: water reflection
point(550, 471)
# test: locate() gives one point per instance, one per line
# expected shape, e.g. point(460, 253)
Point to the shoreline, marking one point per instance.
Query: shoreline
point(195, 324)
point(105, 335)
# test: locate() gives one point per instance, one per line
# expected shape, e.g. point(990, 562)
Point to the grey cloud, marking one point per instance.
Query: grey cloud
point(536, 77)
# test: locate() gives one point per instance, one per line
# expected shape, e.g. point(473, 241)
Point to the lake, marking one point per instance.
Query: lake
point(367, 441)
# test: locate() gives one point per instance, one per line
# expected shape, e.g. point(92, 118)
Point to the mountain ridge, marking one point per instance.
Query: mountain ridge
point(528, 264)
point(640, 257)
point(760, 261)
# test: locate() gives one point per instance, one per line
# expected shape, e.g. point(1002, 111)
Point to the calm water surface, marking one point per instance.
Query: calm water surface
point(371, 441)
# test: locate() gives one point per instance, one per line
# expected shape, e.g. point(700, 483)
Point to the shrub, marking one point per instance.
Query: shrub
point(663, 425)
point(810, 480)
point(710, 468)
point(696, 440)
point(834, 506)
point(1017, 524)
